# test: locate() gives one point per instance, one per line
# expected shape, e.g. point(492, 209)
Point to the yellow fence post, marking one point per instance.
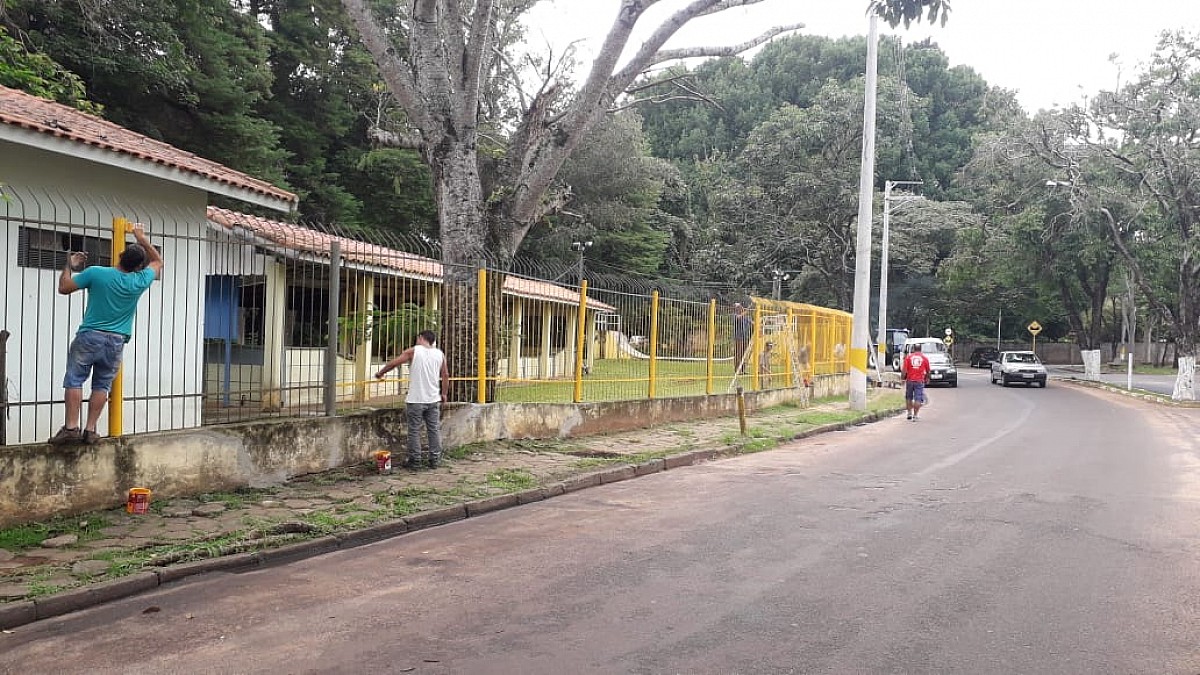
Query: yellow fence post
point(812, 348)
point(756, 346)
point(788, 353)
point(481, 365)
point(712, 345)
point(116, 395)
point(580, 335)
point(653, 343)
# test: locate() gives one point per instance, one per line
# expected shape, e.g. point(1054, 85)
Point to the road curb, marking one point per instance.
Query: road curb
point(1158, 399)
point(13, 614)
point(24, 612)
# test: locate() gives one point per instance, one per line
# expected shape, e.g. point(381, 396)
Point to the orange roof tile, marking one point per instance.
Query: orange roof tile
point(301, 239)
point(24, 110)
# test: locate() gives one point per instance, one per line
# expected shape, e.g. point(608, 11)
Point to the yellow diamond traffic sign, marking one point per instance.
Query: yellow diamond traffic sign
point(1034, 328)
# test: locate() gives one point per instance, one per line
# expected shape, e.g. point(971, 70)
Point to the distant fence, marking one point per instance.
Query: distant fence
point(256, 318)
point(1067, 353)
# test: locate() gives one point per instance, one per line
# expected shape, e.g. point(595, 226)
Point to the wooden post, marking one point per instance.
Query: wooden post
point(741, 408)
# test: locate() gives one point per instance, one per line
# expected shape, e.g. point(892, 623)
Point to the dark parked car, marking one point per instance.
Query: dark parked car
point(982, 357)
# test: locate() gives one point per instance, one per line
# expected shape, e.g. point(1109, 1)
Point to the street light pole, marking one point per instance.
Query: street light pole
point(860, 333)
point(581, 248)
point(777, 279)
point(884, 249)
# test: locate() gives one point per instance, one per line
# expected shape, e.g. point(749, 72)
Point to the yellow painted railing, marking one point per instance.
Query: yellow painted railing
point(588, 344)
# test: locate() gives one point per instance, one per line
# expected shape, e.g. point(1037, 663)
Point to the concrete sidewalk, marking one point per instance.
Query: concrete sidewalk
point(51, 568)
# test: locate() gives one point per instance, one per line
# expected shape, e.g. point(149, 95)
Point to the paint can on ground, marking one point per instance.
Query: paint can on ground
point(139, 501)
point(383, 461)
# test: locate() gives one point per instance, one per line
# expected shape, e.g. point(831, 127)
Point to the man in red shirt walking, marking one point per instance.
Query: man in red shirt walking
point(915, 370)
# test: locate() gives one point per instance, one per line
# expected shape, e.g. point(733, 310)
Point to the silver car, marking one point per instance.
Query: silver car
point(1023, 367)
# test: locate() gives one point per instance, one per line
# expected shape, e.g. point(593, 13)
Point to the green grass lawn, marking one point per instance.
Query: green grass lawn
point(626, 379)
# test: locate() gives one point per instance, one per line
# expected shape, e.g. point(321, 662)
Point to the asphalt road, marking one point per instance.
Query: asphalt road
point(1011, 530)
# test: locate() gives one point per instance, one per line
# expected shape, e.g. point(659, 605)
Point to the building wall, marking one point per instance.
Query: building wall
point(51, 192)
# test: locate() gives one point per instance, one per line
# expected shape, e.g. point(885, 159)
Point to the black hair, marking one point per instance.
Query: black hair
point(133, 258)
point(428, 336)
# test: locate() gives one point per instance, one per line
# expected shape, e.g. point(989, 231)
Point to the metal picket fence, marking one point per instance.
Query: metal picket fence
point(258, 318)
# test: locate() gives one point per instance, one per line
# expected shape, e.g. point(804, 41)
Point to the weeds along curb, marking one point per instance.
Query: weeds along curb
point(1140, 394)
point(15, 614)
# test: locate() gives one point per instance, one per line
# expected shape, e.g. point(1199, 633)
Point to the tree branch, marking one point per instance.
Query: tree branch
point(479, 44)
point(1136, 268)
point(392, 139)
point(679, 82)
point(731, 50)
point(590, 102)
point(396, 71)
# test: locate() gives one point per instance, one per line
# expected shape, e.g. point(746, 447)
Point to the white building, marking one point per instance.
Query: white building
point(64, 177)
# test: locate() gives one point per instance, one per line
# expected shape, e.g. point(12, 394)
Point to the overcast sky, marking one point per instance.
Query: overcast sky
point(1052, 52)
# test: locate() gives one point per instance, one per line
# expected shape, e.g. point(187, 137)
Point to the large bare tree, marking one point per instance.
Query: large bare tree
point(438, 57)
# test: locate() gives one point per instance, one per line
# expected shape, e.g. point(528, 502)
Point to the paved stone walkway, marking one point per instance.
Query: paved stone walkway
point(41, 559)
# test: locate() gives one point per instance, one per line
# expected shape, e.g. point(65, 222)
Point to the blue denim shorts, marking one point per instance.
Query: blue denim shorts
point(96, 354)
point(914, 391)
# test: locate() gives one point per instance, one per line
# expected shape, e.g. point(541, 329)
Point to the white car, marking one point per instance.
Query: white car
point(941, 367)
point(1023, 367)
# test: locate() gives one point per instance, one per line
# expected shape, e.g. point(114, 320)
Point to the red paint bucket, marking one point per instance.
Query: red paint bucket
point(138, 502)
point(383, 461)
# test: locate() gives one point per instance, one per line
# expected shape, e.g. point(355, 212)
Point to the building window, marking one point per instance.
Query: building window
point(48, 249)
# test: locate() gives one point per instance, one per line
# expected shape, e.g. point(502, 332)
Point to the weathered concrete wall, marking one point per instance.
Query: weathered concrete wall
point(40, 481)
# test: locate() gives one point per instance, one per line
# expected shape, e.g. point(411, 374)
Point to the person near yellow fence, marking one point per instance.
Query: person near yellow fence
point(113, 294)
point(764, 365)
point(422, 406)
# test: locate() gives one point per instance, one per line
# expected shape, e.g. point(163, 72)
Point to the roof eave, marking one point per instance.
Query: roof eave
point(73, 148)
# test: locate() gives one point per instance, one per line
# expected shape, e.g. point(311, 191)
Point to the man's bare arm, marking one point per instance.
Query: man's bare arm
point(153, 259)
point(66, 280)
point(445, 381)
point(405, 357)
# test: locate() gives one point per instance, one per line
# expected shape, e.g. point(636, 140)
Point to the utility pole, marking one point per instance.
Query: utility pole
point(860, 334)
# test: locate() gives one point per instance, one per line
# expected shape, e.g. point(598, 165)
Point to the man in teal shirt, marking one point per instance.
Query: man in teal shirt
point(113, 294)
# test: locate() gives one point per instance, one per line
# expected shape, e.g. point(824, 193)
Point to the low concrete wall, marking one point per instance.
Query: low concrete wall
point(40, 481)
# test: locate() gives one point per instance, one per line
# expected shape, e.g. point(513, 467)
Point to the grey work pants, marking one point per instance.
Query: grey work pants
point(428, 415)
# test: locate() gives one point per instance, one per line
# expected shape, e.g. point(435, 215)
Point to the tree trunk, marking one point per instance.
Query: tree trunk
point(1187, 328)
point(459, 197)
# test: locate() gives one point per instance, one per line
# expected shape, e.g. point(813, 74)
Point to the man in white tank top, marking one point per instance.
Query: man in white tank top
point(426, 371)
